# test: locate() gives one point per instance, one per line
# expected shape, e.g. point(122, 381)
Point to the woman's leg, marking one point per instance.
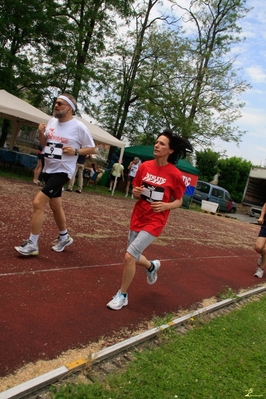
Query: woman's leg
point(137, 243)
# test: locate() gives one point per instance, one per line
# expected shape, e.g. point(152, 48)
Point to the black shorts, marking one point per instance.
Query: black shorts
point(54, 183)
point(113, 178)
point(262, 232)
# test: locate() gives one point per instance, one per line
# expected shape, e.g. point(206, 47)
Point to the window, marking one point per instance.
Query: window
point(217, 193)
point(203, 187)
point(227, 197)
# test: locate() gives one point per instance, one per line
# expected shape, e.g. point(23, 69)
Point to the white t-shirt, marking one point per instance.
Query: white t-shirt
point(133, 169)
point(92, 171)
point(72, 133)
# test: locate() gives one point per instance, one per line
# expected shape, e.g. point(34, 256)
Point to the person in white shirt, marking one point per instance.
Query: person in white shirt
point(132, 167)
point(64, 139)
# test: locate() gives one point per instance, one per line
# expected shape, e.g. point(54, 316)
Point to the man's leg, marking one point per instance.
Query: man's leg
point(30, 246)
point(260, 247)
point(127, 188)
point(111, 184)
point(37, 171)
point(64, 238)
point(72, 180)
point(80, 176)
point(58, 212)
point(39, 203)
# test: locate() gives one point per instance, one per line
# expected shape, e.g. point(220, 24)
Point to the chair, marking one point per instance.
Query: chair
point(91, 180)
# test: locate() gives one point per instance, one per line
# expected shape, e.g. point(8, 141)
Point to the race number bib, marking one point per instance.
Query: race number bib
point(152, 193)
point(53, 150)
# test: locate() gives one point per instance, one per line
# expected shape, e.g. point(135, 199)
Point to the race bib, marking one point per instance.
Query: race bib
point(152, 193)
point(53, 150)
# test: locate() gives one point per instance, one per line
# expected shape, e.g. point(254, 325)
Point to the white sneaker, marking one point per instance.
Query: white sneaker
point(126, 195)
point(259, 273)
point(132, 196)
point(27, 248)
point(118, 301)
point(259, 261)
point(61, 244)
point(152, 276)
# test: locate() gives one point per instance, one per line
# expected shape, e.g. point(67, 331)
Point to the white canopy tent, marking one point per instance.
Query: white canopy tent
point(101, 136)
point(21, 112)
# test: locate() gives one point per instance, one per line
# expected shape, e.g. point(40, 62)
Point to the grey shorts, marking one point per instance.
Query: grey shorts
point(137, 242)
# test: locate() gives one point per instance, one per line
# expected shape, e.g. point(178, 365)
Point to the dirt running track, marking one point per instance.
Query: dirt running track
point(57, 301)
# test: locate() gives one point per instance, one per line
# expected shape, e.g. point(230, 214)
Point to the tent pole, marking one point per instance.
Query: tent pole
point(119, 163)
point(15, 132)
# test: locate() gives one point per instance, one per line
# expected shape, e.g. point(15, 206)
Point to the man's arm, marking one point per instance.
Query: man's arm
point(86, 151)
point(262, 214)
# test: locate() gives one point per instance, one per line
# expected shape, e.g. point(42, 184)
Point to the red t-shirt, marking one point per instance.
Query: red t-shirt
point(162, 183)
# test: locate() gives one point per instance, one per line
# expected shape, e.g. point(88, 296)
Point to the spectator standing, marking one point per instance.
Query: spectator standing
point(79, 170)
point(159, 187)
point(37, 174)
point(116, 174)
point(132, 167)
point(64, 139)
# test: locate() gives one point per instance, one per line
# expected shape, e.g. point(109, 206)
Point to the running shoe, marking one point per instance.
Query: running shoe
point(118, 301)
point(259, 273)
point(152, 276)
point(27, 248)
point(61, 244)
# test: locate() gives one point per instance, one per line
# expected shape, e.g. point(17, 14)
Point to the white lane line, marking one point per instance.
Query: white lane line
point(21, 273)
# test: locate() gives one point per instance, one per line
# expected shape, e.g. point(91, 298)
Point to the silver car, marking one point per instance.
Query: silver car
point(210, 192)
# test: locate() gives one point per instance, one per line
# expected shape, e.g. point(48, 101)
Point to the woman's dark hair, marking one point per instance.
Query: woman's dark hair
point(179, 144)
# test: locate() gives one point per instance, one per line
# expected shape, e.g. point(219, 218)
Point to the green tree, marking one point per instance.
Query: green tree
point(207, 162)
point(209, 94)
point(140, 106)
point(26, 29)
point(91, 24)
point(234, 172)
point(164, 79)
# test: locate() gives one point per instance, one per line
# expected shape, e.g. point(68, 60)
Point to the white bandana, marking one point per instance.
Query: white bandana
point(68, 101)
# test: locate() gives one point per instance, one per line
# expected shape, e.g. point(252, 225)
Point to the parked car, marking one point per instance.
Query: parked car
point(210, 192)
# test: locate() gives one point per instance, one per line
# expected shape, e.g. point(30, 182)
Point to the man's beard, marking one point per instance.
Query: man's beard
point(59, 114)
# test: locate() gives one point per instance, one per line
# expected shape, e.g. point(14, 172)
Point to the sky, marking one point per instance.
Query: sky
point(252, 61)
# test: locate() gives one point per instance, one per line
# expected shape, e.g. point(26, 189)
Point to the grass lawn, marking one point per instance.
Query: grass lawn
point(222, 358)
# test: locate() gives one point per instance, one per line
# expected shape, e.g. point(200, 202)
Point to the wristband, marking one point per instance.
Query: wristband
point(76, 151)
